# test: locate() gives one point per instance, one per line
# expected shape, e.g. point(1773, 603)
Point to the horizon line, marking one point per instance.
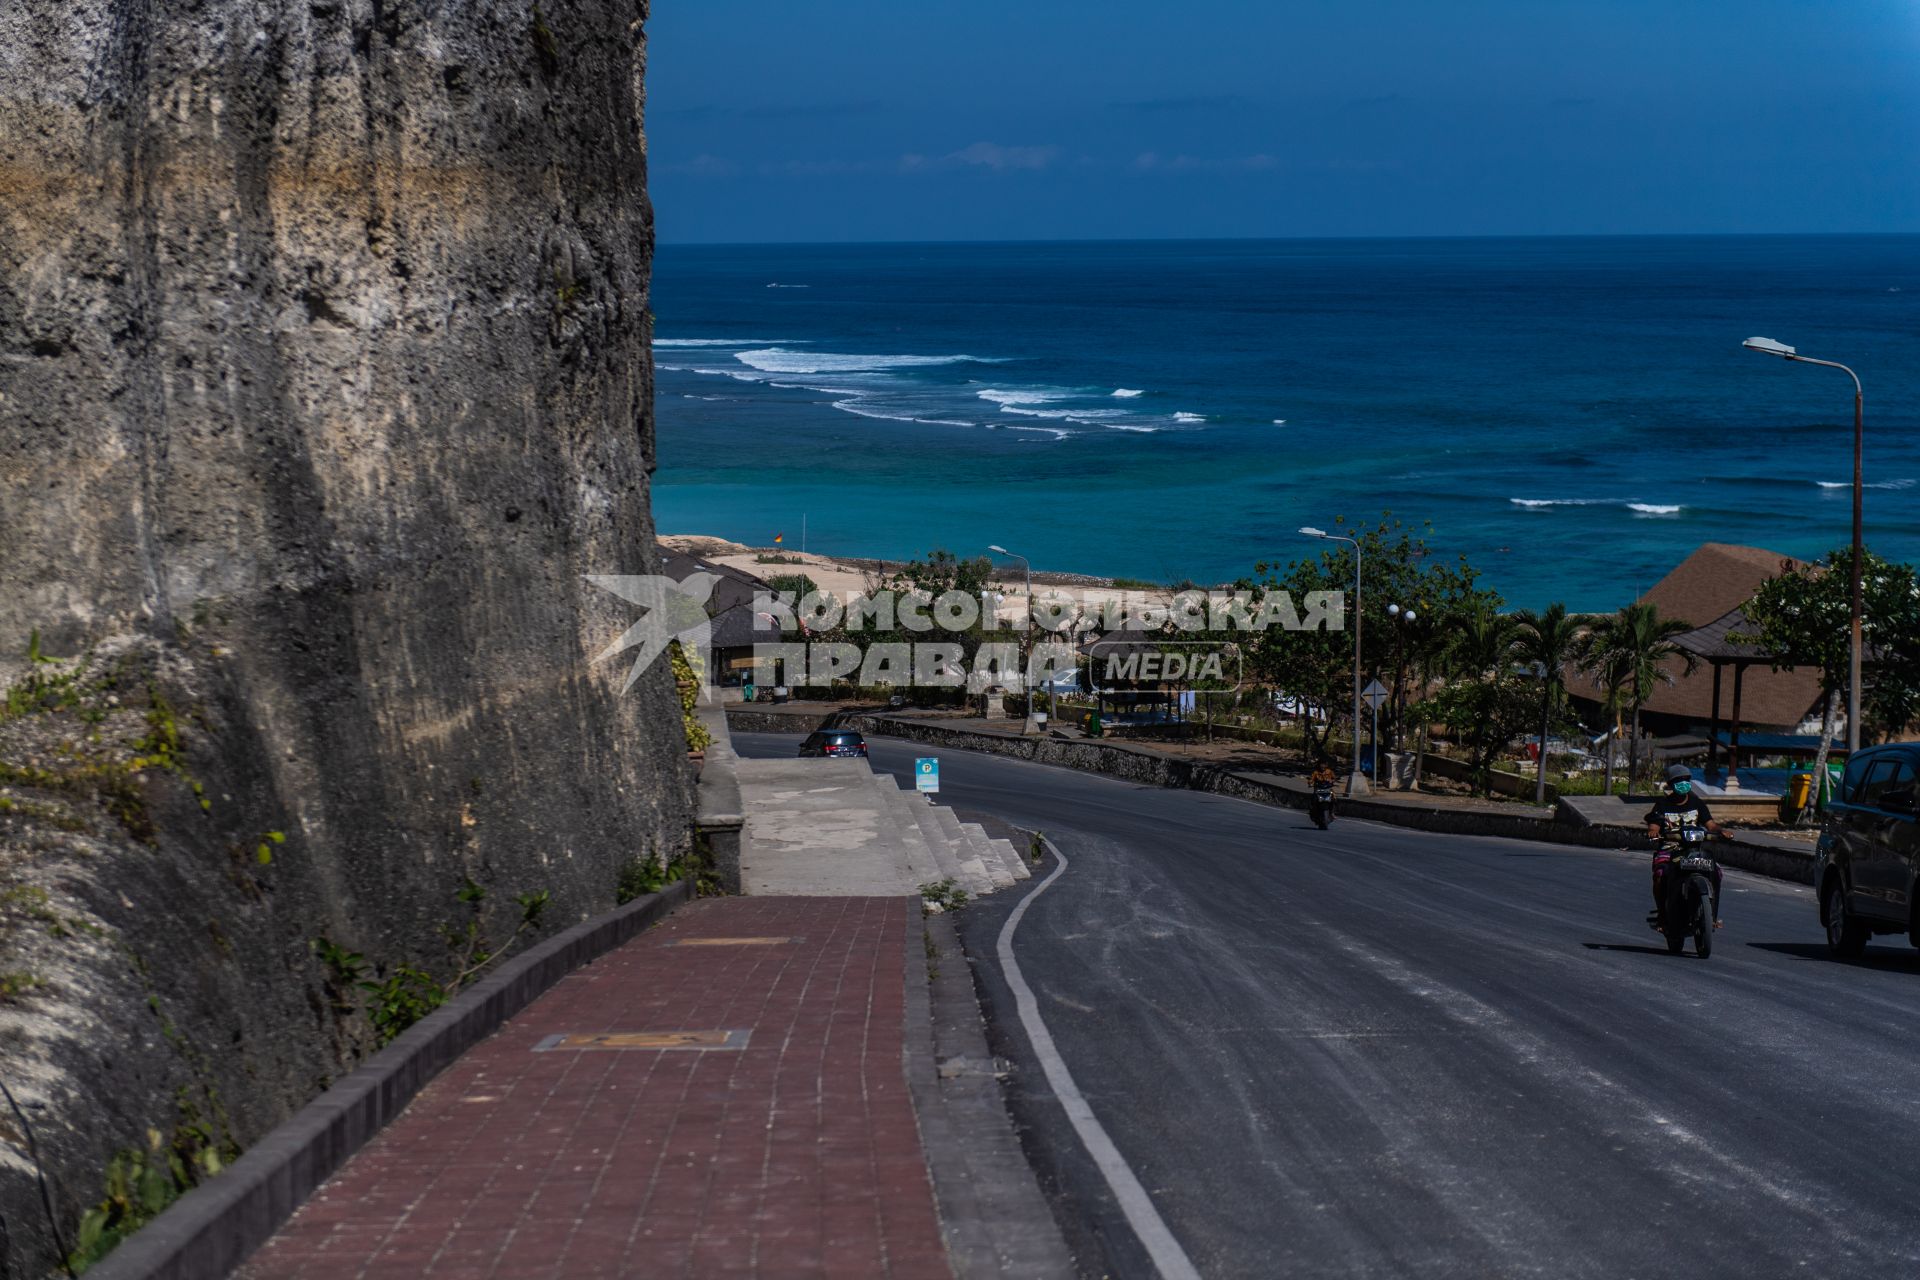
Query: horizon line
point(660, 243)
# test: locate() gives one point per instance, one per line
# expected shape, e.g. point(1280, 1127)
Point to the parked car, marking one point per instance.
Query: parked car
point(1868, 859)
point(834, 742)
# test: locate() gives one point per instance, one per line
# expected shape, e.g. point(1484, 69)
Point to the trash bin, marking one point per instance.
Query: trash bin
point(1800, 790)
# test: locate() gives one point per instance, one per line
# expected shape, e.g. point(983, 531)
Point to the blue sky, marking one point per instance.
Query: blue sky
point(863, 120)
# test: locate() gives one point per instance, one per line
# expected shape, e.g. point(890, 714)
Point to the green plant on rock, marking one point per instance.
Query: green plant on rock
point(654, 871)
point(686, 678)
point(49, 685)
point(942, 895)
point(346, 971)
point(15, 983)
point(639, 877)
point(401, 998)
point(111, 776)
point(401, 994)
point(1037, 847)
point(263, 848)
point(143, 1181)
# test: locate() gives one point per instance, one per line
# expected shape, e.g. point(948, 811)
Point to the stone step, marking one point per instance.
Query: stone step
point(943, 847)
point(1015, 860)
point(997, 871)
point(974, 876)
point(920, 859)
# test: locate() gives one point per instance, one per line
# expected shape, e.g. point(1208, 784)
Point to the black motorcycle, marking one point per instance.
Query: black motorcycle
point(1686, 906)
point(1320, 808)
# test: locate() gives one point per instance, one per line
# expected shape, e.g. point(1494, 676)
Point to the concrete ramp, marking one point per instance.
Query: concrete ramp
point(834, 828)
point(822, 828)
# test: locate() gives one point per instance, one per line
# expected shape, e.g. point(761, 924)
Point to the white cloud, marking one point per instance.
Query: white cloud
point(983, 155)
point(1154, 162)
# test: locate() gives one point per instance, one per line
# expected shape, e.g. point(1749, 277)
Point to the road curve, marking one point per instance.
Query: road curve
point(1372, 1052)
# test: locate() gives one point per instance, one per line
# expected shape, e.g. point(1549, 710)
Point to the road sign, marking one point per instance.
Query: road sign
point(926, 774)
point(1374, 695)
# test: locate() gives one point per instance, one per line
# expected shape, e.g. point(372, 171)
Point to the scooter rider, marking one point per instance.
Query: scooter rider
point(1679, 808)
point(1323, 772)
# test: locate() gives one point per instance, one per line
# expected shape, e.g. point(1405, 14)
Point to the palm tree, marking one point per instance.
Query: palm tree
point(1628, 652)
point(1608, 666)
point(1548, 640)
point(1479, 656)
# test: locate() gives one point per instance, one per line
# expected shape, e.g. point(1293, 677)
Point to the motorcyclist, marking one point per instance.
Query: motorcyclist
point(1323, 772)
point(1678, 808)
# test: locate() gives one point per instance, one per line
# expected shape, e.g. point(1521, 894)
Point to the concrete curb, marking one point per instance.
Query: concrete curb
point(719, 816)
point(1131, 764)
point(995, 1220)
point(212, 1229)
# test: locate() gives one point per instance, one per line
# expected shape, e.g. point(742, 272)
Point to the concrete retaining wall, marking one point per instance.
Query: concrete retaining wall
point(742, 719)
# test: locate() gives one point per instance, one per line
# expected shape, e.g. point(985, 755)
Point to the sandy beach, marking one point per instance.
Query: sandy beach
point(845, 577)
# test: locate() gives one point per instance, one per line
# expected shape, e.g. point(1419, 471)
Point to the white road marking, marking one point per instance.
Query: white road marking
point(1168, 1257)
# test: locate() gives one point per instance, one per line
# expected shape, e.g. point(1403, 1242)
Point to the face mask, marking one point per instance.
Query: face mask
point(1682, 788)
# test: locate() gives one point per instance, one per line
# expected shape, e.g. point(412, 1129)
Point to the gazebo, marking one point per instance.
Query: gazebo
point(1712, 644)
point(1715, 645)
point(1110, 661)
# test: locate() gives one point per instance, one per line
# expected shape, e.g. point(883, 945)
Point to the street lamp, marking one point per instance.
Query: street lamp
point(1026, 655)
point(1767, 346)
point(1356, 781)
point(1405, 618)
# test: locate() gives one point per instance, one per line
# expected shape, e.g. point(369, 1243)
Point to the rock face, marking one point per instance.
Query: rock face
point(324, 378)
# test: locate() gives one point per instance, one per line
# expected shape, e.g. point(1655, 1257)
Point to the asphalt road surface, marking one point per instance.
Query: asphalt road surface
point(1373, 1052)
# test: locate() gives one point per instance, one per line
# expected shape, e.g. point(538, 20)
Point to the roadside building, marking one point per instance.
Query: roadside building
point(1733, 689)
point(737, 627)
point(1706, 591)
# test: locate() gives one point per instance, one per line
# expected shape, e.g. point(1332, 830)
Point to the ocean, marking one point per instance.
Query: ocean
point(1573, 415)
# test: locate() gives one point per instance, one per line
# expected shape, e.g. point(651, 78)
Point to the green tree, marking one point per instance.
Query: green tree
point(1609, 670)
point(1634, 648)
point(930, 578)
point(1549, 640)
point(1315, 668)
point(1803, 618)
point(1484, 702)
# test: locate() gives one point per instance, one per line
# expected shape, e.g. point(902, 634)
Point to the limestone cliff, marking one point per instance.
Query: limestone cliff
point(324, 378)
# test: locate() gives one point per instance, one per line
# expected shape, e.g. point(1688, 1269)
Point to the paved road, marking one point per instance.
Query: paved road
point(1372, 1052)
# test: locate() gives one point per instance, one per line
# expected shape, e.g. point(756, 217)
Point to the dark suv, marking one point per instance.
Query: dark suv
point(834, 742)
point(1869, 853)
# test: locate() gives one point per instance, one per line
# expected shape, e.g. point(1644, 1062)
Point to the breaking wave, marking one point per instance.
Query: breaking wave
point(780, 360)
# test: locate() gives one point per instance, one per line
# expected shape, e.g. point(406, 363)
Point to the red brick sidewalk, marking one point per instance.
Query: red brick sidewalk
point(795, 1156)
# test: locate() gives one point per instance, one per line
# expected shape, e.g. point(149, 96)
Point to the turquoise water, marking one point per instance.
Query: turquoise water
point(1573, 415)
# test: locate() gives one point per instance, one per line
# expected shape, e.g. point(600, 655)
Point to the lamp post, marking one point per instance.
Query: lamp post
point(1026, 632)
point(1356, 781)
point(1767, 346)
point(1403, 618)
point(1538, 671)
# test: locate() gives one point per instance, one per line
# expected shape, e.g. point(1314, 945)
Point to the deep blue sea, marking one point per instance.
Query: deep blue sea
point(1574, 415)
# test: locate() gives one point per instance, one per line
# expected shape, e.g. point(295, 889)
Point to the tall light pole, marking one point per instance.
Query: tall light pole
point(1405, 619)
point(1767, 346)
point(1356, 781)
point(1026, 637)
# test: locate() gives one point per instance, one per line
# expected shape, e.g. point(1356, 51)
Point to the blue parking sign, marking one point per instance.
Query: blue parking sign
point(926, 774)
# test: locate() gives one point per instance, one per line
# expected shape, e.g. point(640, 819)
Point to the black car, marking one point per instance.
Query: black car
point(834, 742)
point(1869, 852)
